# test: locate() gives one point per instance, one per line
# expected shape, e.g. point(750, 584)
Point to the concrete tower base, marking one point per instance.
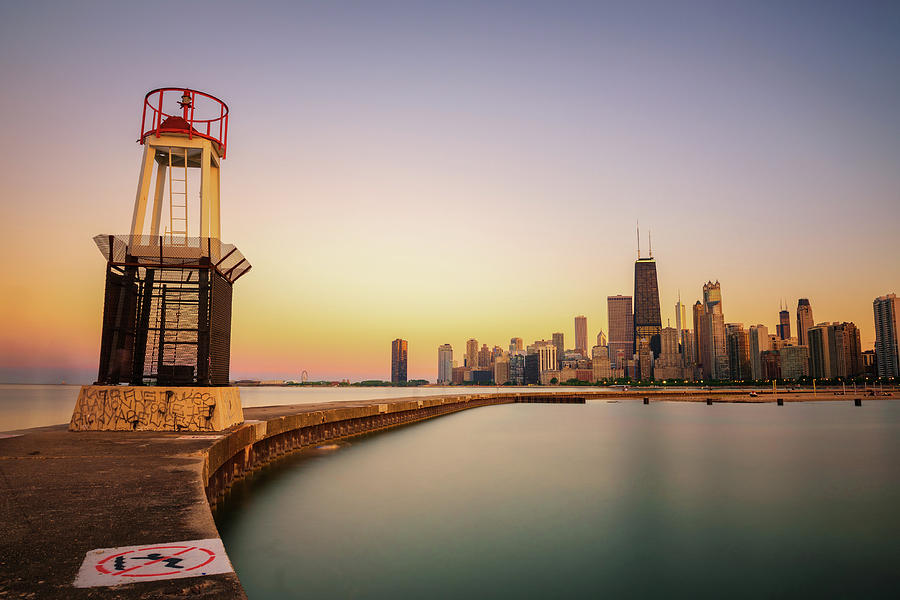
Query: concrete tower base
point(142, 408)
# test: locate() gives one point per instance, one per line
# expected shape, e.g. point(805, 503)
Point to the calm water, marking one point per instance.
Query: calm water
point(603, 499)
point(24, 406)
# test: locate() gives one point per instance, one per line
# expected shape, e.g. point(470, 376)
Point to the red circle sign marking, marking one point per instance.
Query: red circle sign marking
point(154, 561)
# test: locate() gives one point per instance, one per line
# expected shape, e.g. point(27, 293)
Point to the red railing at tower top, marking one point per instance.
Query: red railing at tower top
point(185, 111)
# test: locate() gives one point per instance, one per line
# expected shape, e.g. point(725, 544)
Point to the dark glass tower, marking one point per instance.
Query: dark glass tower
point(398, 361)
point(647, 320)
point(784, 325)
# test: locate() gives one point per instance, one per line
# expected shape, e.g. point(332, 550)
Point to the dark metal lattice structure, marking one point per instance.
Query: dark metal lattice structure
point(167, 310)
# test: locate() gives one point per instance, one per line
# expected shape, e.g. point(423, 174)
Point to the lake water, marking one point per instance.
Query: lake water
point(572, 501)
point(24, 406)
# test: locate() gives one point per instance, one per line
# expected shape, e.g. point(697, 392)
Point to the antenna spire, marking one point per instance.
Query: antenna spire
point(650, 241)
point(639, 238)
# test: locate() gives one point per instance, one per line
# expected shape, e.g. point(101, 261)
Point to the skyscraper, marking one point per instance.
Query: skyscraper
point(547, 354)
point(680, 320)
point(758, 336)
point(852, 350)
point(601, 339)
point(697, 313)
point(621, 330)
point(445, 364)
point(680, 315)
point(471, 359)
point(645, 359)
point(687, 353)
point(496, 353)
point(712, 351)
point(398, 361)
point(516, 344)
point(819, 352)
point(669, 363)
point(559, 341)
point(804, 320)
point(784, 324)
point(501, 370)
point(517, 368)
point(738, 346)
point(581, 335)
point(834, 351)
point(887, 356)
point(712, 296)
point(794, 362)
point(600, 362)
point(484, 357)
point(647, 320)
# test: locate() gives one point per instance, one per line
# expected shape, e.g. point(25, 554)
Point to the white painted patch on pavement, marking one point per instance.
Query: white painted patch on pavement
point(199, 437)
point(151, 562)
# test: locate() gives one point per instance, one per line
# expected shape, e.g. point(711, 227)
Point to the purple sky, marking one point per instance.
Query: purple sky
point(440, 171)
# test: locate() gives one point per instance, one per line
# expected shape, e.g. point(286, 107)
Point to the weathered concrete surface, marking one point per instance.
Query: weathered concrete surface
point(64, 493)
point(132, 408)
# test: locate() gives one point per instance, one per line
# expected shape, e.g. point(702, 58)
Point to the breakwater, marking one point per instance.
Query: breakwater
point(258, 442)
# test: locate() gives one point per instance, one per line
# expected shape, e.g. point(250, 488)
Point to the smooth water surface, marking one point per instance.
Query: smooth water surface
point(24, 406)
point(596, 500)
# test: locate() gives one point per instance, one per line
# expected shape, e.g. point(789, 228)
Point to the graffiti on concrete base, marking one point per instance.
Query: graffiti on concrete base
point(114, 408)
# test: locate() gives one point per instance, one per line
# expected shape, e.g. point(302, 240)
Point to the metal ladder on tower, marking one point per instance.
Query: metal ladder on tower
point(178, 211)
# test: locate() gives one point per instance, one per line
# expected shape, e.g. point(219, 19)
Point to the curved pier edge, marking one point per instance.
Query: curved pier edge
point(256, 443)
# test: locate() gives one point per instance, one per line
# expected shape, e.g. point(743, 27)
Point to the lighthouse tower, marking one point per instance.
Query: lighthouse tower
point(166, 338)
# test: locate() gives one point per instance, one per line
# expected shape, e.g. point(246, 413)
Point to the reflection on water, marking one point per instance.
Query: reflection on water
point(602, 499)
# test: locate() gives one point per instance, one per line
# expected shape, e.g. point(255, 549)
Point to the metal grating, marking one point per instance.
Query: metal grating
point(165, 326)
point(220, 331)
point(158, 251)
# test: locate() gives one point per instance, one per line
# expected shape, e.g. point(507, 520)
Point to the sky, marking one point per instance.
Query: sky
point(441, 171)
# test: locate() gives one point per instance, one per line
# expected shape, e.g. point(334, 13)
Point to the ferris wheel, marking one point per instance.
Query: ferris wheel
point(304, 376)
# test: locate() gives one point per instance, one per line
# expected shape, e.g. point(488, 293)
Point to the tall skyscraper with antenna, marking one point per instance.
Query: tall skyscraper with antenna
point(784, 323)
point(647, 319)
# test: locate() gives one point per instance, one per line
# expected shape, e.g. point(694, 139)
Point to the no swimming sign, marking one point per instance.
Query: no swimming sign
point(151, 562)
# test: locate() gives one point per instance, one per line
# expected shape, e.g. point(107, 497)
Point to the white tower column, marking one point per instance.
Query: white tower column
point(140, 201)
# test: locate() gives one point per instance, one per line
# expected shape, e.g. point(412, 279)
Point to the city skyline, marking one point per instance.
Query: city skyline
point(714, 350)
point(376, 170)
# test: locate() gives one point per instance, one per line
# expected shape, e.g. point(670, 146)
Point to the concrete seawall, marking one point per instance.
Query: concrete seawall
point(255, 444)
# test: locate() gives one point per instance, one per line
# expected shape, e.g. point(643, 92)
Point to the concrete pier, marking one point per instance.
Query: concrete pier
point(65, 494)
point(68, 493)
